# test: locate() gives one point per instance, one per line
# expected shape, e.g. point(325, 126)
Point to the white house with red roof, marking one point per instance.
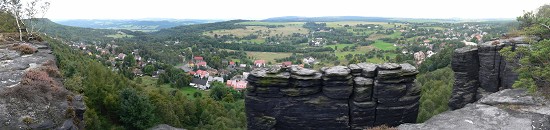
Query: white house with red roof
point(198, 59)
point(202, 63)
point(259, 63)
point(202, 74)
point(237, 84)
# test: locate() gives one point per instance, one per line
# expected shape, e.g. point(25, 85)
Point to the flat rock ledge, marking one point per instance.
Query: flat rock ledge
point(509, 109)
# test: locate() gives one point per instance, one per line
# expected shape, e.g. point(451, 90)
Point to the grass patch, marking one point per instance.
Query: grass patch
point(118, 35)
point(268, 56)
point(383, 45)
point(340, 46)
point(395, 35)
point(150, 85)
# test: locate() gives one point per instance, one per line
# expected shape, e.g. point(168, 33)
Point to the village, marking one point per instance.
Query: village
point(234, 74)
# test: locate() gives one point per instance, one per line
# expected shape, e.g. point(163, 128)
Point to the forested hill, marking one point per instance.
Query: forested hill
point(198, 29)
point(72, 33)
point(134, 25)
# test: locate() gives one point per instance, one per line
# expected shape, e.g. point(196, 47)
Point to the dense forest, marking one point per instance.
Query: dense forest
point(115, 102)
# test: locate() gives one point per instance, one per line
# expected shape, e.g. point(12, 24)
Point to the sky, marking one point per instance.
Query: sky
point(262, 9)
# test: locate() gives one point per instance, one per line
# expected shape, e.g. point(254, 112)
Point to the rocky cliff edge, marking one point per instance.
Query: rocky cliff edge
point(32, 95)
point(509, 109)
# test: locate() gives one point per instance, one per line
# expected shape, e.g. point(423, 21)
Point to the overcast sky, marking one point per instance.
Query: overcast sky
point(261, 9)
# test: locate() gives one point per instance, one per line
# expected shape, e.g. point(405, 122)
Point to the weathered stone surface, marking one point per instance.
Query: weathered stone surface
point(389, 90)
point(389, 66)
point(504, 110)
point(393, 116)
point(362, 114)
point(481, 70)
point(337, 71)
point(300, 91)
point(46, 110)
point(369, 70)
point(311, 112)
point(302, 71)
point(408, 70)
point(509, 97)
point(354, 68)
point(338, 92)
point(333, 98)
point(363, 88)
point(490, 63)
point(337, 78)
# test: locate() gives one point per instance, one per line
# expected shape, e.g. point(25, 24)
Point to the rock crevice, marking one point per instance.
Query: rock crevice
point(357, 96)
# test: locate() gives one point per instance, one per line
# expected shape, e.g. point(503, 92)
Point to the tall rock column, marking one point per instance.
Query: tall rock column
point(465, 64)
point(490, 66)
point(396, 94)
point(362, 105)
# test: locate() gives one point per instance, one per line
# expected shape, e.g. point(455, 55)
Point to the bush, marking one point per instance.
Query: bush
point(382, 127)
point(38, 85)
point(24, 49)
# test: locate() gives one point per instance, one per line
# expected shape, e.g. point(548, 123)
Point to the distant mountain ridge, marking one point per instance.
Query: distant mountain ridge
point(148, 25)
point(375, 19)
point(327, 19)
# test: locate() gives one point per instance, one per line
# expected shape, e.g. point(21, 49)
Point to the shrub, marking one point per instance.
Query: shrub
point(382, 127)
point(51, 69)
point(28, 120)
point(38, 85)
point(24, 48)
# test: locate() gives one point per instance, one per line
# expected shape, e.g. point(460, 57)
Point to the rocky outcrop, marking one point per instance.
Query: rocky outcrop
point(509, 109)
point(31, 92)
point(481, 70)
point(340, 97)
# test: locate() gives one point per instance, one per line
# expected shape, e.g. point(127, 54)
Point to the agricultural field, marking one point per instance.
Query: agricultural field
point(120, 35)
point(268, 56)
point(262, 32)
point(353, 23)
point(383, 45)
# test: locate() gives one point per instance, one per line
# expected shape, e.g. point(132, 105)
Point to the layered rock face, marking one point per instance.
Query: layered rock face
point(481, 70)
point(509, 109)
point(341, 97)
point(31, 92)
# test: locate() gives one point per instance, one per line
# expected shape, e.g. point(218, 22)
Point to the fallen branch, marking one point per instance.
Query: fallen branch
point(548, 27)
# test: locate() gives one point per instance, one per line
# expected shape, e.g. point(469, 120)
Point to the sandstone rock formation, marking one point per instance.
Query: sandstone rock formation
point(31, 92)
point(481, 70)
point(509, 109)
point(357, 96)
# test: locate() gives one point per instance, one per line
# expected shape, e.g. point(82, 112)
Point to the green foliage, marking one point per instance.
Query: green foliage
point(537, 24)
point(437, 61)
point(7, 22)
point(148, 69)
point(436, 90)
point(136, 111)
point(114, 100)
point(533, 64)
point(177, 78)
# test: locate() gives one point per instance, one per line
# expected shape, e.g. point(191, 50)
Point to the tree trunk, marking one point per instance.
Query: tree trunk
point(19, 28)
point(16, 14)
